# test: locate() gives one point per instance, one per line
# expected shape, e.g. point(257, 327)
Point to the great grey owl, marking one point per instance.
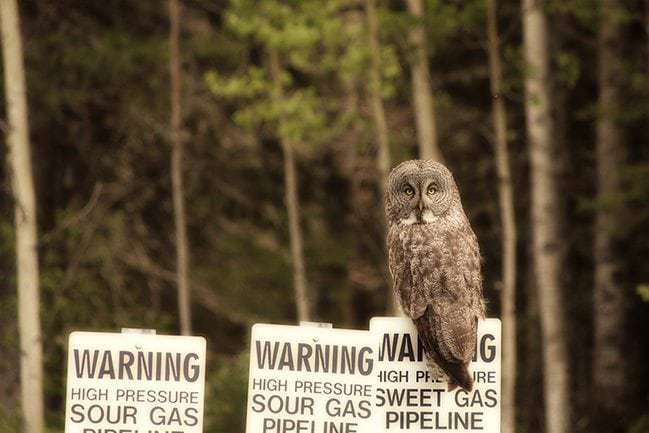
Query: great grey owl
point(434, 260)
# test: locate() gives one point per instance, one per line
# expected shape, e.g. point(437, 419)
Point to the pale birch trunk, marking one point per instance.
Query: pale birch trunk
point(19, 162)
point(546, 219)
point(609, 367)
point(422, 92)
point(380, 124)
point(508, 222)
point(177, 155)
point(292, 201)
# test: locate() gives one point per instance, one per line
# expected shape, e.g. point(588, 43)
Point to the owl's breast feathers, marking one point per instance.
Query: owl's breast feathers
point(430, 265)
point(436, 273)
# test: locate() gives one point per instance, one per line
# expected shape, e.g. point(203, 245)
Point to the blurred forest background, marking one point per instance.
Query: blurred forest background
point(238, 154)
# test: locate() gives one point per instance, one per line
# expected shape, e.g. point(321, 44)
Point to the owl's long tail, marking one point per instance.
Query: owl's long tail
point(458, 372)
point(459, 375)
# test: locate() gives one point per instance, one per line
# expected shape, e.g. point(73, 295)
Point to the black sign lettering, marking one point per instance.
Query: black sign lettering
point(315, 358)
point(126, 365)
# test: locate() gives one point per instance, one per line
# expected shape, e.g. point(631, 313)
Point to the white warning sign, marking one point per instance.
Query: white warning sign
point(317, 380)
point(311, 380)
point(130, 383)
point(410, 399)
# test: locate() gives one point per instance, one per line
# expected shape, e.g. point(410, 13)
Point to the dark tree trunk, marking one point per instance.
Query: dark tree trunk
point(508, 223)
point(610, 301)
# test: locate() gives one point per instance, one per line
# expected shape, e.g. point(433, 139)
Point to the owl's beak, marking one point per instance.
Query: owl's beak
point(420, 213)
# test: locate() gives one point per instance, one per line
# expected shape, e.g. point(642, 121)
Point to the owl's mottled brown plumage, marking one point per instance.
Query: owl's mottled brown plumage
point(434, 260)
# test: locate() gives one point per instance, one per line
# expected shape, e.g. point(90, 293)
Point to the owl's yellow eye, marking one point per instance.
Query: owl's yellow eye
point(432, 189)
point(408, 190)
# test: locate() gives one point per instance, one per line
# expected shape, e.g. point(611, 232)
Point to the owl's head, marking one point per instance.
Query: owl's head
point(419, 192)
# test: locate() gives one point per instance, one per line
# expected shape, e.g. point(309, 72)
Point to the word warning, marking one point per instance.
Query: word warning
point(410, 398)
point(134, 383)
point(311, 380)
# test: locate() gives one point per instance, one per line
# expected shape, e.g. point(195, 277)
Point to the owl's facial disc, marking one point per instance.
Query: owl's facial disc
point(419, 192)
point(417, 196)
point(426, 200)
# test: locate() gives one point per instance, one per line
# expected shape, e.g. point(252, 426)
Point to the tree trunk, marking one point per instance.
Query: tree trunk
point(177, 139)
point(291, 197)
point(348, 162)
point(646, 30)
point(376, 100)
point(508, 294)
point(609, 365)
point(422, 93)
point(530, 412)
point(378, 112)
point(19, 156)
point(546, 219)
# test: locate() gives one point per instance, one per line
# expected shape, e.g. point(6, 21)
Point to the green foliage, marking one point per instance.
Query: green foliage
point(444, 19)
point(641, 425)
point(586, 12)
point(643, 291)
point(631, 201)
point(9, 422)
point(7, 247)
point(636, 180)
point(568, 66)
point(266, 280)
point(226, 390)
point(253, 83)
point(297, 31)
point(390, 71)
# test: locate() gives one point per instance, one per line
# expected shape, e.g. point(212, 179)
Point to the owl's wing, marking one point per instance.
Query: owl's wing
point(457, 304)
point(453, 329)
point(450, 301)
point(400, 271)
